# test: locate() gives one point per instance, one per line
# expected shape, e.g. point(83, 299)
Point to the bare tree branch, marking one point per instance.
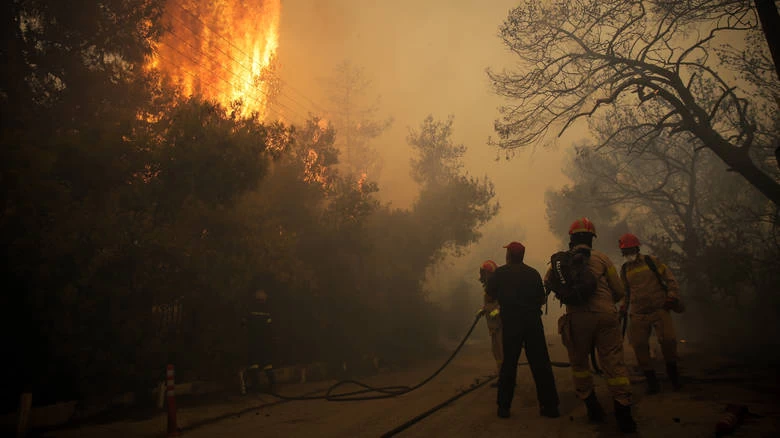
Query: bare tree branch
point(583, 56)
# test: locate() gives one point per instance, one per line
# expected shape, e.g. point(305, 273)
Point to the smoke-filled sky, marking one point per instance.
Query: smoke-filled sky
point(428, 58)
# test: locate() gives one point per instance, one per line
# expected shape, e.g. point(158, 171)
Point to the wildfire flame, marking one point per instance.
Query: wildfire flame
point(222, 50)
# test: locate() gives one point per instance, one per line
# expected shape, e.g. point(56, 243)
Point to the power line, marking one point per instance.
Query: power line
point(254, 100)
point(316, 106)
point(194, 33)
point(217, 33)
point(238, 62)
point(214, 71)
point(227, 70)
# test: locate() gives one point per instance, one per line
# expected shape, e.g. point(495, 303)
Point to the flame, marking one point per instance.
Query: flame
point(314, 171)
point(361, 182)
point(221, 50)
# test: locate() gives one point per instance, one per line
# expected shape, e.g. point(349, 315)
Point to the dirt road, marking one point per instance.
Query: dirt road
point(713, 382)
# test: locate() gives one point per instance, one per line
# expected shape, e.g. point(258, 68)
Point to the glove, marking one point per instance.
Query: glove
point(670, 303)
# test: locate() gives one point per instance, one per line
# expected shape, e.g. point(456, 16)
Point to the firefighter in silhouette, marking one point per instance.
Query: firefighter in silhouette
point(595, 322)
point(492, 317)
point(651, 293)
point(519, 291)
point(259, 345)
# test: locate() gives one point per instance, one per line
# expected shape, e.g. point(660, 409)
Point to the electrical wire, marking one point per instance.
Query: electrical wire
point(238, 49)
point(254, 100)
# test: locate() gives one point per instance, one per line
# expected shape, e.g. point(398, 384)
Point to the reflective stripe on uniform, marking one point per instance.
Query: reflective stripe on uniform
point(637, 270)
point(268, 367)
point(611, 270)
point(618, 381)
point(494, 313)
point(581, 374)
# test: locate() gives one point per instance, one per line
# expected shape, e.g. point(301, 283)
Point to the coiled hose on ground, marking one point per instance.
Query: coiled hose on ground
point(388, 391)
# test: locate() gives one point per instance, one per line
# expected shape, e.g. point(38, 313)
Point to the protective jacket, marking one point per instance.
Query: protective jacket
point(492, 313)
point(609, 287)
point(647, 293)
point(594, 325)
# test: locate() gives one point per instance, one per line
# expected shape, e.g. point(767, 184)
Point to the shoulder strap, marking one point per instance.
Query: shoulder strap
point(654, 268)
point(624, 279)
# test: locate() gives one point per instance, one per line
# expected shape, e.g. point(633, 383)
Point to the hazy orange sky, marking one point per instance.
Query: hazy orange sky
point(428, 58)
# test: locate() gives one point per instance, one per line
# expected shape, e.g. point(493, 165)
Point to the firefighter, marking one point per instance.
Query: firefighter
point(595, 324)
point(652, 292)
point(259, 344)
point(520, 294)
point(492, 318)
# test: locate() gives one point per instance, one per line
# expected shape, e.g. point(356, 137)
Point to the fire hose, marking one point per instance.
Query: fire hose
point(383, 392)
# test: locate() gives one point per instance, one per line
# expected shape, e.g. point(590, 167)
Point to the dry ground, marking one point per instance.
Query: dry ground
point(713, 382)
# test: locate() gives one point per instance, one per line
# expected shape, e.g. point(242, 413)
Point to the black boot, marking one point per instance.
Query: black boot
point(503, 412)
point(653, 387)
point(595, 411)
point(624, 419)
point(674, 377)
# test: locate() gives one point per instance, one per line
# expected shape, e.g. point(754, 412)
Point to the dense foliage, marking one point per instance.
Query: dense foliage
point(137, 224)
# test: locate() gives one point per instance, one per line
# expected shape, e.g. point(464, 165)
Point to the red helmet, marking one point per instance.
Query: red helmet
point(583, 225)
point(488, 266)
point(628, 240)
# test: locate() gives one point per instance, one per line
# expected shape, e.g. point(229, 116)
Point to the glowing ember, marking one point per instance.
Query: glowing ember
point(221, 50)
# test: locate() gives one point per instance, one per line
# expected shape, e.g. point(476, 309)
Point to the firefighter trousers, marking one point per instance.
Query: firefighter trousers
point(639, 337)
point(580, 332)
point(528, 333)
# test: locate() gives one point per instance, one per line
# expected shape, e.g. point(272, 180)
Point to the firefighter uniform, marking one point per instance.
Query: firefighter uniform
point(596, 323)
point(493, 320)
point(649, 310)
point(491, 310)
point(519, 291)
point(259, 345)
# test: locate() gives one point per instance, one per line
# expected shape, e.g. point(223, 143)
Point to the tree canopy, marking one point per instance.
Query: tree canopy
point(138, 223)
point(697, 67)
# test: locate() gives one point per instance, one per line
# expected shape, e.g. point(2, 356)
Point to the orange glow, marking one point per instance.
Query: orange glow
point(362, 181)
point(222, 50)
point(314, 172)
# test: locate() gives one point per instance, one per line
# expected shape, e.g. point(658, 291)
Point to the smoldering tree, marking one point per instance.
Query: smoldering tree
point(454, 203)
point(354, 113)
point(582, 57)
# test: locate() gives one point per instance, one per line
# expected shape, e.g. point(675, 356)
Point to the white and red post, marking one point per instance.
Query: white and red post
point(171, 395)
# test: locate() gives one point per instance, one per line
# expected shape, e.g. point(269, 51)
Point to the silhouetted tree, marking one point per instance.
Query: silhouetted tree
point(588, 55)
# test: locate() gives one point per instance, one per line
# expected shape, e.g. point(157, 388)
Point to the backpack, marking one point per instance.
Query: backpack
point(570, 278)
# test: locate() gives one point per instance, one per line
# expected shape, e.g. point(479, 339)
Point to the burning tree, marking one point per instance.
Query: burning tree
point(584, 55)
point(354, 115)
point(221, 50)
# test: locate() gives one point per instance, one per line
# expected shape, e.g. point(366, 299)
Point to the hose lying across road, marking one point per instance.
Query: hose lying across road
point(391, 391)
